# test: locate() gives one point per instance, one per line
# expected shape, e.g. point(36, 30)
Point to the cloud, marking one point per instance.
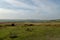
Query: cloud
point(6, 13)
point(13, 14)
point(33, 9)
point(19, 4)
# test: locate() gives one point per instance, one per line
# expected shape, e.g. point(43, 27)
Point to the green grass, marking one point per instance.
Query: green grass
point(38, 33)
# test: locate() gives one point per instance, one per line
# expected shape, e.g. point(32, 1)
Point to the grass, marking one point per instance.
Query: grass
point(37, 33)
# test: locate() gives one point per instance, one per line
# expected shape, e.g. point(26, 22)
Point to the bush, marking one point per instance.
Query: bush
point(1, 26)
point(29, 29)
point(12, 24)
point(28, 25)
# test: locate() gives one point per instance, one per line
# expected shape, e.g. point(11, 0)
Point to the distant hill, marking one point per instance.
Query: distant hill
point(20, 20)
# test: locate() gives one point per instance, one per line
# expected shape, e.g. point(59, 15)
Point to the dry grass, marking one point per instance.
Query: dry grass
point(31, 24)
point(30, 31)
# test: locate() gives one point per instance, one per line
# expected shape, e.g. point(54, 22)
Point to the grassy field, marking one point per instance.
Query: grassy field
point(30, 31)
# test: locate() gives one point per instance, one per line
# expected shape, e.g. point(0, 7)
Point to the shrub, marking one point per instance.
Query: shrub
point(12, 24)
point(1, 26)
point(30, 25)
point(29, 29)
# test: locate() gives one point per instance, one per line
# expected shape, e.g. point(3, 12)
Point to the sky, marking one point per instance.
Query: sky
point(30, 9)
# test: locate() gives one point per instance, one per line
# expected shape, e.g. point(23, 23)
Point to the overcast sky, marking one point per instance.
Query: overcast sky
point(29, 9)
